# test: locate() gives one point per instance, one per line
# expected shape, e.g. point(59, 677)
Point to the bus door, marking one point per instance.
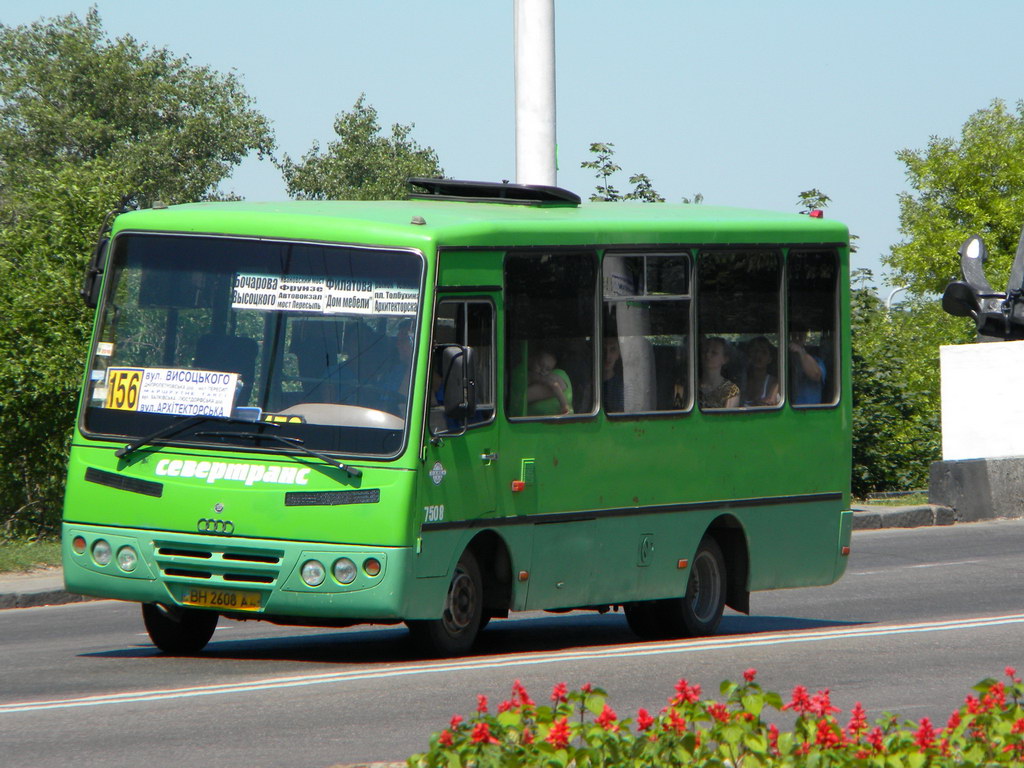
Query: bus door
point(462, 455)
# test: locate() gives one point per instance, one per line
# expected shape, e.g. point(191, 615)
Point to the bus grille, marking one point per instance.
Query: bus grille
point(218, 563)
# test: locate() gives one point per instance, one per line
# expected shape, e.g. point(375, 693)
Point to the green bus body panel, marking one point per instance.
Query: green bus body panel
point(258, 510)
point(611, 507)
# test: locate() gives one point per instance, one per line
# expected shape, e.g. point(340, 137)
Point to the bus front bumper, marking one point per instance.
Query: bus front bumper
point(252, 578)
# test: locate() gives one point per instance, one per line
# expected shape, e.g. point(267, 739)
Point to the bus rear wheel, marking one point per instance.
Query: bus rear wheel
point(695, 614)
point(456, 631)
point(179, 631)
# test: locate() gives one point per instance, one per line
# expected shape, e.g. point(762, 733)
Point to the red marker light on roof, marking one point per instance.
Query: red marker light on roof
point(817, 213)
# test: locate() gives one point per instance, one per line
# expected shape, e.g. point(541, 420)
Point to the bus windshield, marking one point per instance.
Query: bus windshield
point(316, 339)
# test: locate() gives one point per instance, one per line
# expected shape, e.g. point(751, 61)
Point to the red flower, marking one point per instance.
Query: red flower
point(974, 706)
point(675, 722)
point(750, 674)
point(1018, 726)
point(858, 721)
point(482, 734)
point(481, 703)
point(643, 719)
point(821, 705)
point(456, 719)
point(995, 697)
point(607, 719)
point(828, 735)
point(586, 687)
point(876, 739)
point(505, 706)
point(925, 735)
point(800, 701)
point(558, 736)
point(445, 739)
point(1012, 674)
point(773, 738)
point(954, 721)
point(718, 711)
point(527, 736)
point(558, 693)
point(519, 691)
point(686, 692)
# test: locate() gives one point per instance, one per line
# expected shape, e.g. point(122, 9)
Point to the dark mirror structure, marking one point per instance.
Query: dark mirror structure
point(996, 314)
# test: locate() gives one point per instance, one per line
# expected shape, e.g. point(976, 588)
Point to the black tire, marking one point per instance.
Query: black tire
point(644, 620)
point(701, 608)
point(457, 629)
point(179, 631)
point(698, 612)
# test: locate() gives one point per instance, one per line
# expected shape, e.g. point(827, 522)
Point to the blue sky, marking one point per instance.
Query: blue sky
point(748, 103)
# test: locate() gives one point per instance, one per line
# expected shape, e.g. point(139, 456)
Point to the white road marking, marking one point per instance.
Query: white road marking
point(921, 565)
point(516, 660)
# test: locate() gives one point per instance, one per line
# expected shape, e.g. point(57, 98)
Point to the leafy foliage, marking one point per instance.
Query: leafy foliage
point(895, 391)
point(83, 120)
point(362, 164)
point(579, 728)
point(974, 185)
point(604, 167)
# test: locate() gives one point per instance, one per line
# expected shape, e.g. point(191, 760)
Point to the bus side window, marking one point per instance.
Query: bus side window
point(812, 310)
point(646, 330)
point(467, 323)
point(739, 318)
point(551, 319)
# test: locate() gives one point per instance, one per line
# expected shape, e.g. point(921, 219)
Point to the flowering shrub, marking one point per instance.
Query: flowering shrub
point(579, 728)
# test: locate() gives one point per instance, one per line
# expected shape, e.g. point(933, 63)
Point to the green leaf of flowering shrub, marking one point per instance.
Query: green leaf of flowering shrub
point(753, 704)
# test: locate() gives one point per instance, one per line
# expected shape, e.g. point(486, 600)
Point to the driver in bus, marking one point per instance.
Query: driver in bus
point(389, 386)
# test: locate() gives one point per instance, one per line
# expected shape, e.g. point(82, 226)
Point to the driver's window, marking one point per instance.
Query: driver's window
point(467, 323)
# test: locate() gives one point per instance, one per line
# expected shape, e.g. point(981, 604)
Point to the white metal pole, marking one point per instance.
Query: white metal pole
point(535, 91)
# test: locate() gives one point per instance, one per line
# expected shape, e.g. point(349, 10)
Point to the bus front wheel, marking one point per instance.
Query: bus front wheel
point(455, 632)
point(178, 631)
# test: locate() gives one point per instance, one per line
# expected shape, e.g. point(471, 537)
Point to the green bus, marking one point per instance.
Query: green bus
point(484, 398)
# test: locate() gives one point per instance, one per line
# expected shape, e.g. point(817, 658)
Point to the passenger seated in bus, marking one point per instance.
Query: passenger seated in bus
point(762, 384)
point(613, 394)
point(806, 371)
point(548, 389)
point(716, 391)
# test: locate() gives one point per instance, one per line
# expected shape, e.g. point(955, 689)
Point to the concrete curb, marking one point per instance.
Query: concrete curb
point(871, 518)
point(43, 597)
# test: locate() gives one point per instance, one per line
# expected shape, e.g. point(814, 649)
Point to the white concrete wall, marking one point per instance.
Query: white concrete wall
point(982, 400)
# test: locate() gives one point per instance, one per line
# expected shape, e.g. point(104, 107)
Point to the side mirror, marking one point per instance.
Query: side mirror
point(90, 291)
point(960, 300)
point(458, 377)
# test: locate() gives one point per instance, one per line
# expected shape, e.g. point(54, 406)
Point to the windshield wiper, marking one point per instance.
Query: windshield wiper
point(291, 442)
point(178, 426)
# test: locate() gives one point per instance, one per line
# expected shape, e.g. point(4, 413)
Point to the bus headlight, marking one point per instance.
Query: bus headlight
point(127, 559)
point(313, 573)
point(345, 571)
point(101, 552)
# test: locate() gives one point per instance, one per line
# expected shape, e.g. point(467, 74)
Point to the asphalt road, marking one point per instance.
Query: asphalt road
point(921, 615)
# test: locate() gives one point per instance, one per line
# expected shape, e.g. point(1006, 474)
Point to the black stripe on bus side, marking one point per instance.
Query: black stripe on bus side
point(468, 289)
point(122, 483)
point(575, 517)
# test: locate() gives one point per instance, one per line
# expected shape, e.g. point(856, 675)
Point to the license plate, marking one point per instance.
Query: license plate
point(224, 599)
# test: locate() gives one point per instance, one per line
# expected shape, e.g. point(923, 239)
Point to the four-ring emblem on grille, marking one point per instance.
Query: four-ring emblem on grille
point(219, 527)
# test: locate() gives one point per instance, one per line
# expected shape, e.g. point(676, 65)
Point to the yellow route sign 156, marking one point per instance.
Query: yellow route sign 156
point(123, 386)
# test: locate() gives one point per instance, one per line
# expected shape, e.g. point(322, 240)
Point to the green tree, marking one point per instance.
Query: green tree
point(895, 392)
point(83, 120)
point(604, 167)
point(965, 186)
point(363, 164)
